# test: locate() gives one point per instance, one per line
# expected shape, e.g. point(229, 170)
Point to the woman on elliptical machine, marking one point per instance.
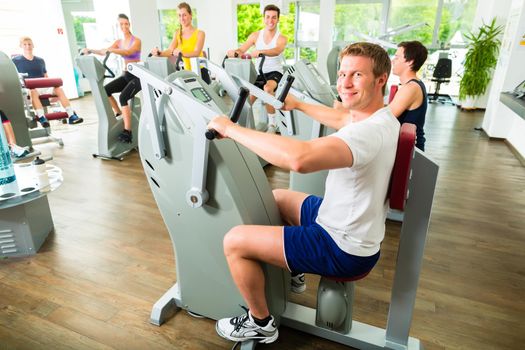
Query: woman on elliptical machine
point(127, 84)
point(187, 40)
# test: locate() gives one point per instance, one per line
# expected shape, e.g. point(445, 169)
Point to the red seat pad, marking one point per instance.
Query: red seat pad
point(36, 83)
point(401, 171)
point(56, 115)
point(348, 279)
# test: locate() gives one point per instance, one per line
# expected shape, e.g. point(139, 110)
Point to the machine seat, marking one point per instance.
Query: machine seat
point(35, 83)
point(347, 279)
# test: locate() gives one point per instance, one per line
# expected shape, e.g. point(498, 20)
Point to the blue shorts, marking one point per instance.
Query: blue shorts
point(309, 248)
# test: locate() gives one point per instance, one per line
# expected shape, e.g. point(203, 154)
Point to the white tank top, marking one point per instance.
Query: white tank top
point(271, 64)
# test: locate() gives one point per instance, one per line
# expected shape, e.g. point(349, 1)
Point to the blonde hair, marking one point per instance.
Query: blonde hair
point(186, 6)
point(25, 38)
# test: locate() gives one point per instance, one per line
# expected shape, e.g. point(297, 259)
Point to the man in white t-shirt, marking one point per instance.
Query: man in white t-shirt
point(271, 43)
point(341, 234)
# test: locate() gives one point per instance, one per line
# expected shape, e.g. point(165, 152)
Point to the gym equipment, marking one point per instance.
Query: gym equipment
point(45, 99)
point(13, 103)
point(310, 87)
point(172, 141)
point(220, 184)
point(243, 67)
point(109, 126)
point(163, 66)
point(332, 65)
point(442, 74)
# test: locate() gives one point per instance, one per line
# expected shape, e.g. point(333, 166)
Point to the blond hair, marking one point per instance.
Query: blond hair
point(25, 38)
point(187, 7)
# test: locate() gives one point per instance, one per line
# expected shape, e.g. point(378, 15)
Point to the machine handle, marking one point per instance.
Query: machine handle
point(235, 54)
point(235, 112)
point(287, 86)
point(261, 63)
point(178, 61)
point(111, 74)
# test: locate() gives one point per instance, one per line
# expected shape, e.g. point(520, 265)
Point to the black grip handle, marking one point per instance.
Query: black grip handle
point(237, 108)
point(111, 74)
point(150, 54)
point(286, 89)
point(224, 60)
point(261, 63)
point(235, 112)
point(178, 61)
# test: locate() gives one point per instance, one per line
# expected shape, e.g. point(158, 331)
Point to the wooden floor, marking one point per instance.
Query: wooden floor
point(94, 281)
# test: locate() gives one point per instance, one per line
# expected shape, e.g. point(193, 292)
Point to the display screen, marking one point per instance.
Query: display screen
point(200, 94)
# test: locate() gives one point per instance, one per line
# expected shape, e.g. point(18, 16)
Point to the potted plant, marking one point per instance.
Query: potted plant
point(480, 60)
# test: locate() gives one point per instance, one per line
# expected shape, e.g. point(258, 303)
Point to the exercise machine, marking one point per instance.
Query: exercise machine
point(12, 101)
point(15, 102)
point(109, 125)
point(198, 209)
point(219, 185)
point(243, 67)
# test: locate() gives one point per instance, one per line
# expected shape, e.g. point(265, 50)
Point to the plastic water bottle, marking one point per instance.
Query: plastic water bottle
point(8, 185)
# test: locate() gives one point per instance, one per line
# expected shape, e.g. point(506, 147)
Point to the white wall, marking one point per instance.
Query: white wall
point(43, 21)
point(144, 17)
point(499, 121)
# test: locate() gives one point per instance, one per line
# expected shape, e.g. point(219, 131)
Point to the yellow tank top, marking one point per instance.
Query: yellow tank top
point(187, 46)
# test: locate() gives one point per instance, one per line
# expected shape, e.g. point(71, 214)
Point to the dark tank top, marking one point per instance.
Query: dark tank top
point(417, 116)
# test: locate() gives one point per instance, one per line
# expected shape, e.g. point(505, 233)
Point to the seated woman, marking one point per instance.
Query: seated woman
point(127, 84)
point(410, 102)
point(16, 151)
point(187, 40)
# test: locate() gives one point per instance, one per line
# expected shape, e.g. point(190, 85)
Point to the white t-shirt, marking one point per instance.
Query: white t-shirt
point(271, 63)
point(354, 208)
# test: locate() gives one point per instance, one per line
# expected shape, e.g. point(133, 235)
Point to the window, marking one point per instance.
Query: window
point(79, 18)
point(456, 20)
point(407, 14)
point(307, 33)
point(353, 19)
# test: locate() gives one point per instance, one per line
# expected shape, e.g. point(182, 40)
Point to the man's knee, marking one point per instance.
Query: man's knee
point(270, 86)
point(279, 195)
point(233, 240)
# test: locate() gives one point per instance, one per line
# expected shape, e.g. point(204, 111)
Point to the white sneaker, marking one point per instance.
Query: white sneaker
point(18, 151)
point(243, 328)
point(272, 129)
point(298, 283)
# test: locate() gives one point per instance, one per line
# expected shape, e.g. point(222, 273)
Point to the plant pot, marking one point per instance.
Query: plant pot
point(468, 103)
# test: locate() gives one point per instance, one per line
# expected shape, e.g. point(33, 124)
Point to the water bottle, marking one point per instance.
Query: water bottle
point(8, 185)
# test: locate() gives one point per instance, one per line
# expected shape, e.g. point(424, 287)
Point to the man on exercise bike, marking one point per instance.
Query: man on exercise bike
point(35, 67)
point(271, 43)
point(340, 234)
